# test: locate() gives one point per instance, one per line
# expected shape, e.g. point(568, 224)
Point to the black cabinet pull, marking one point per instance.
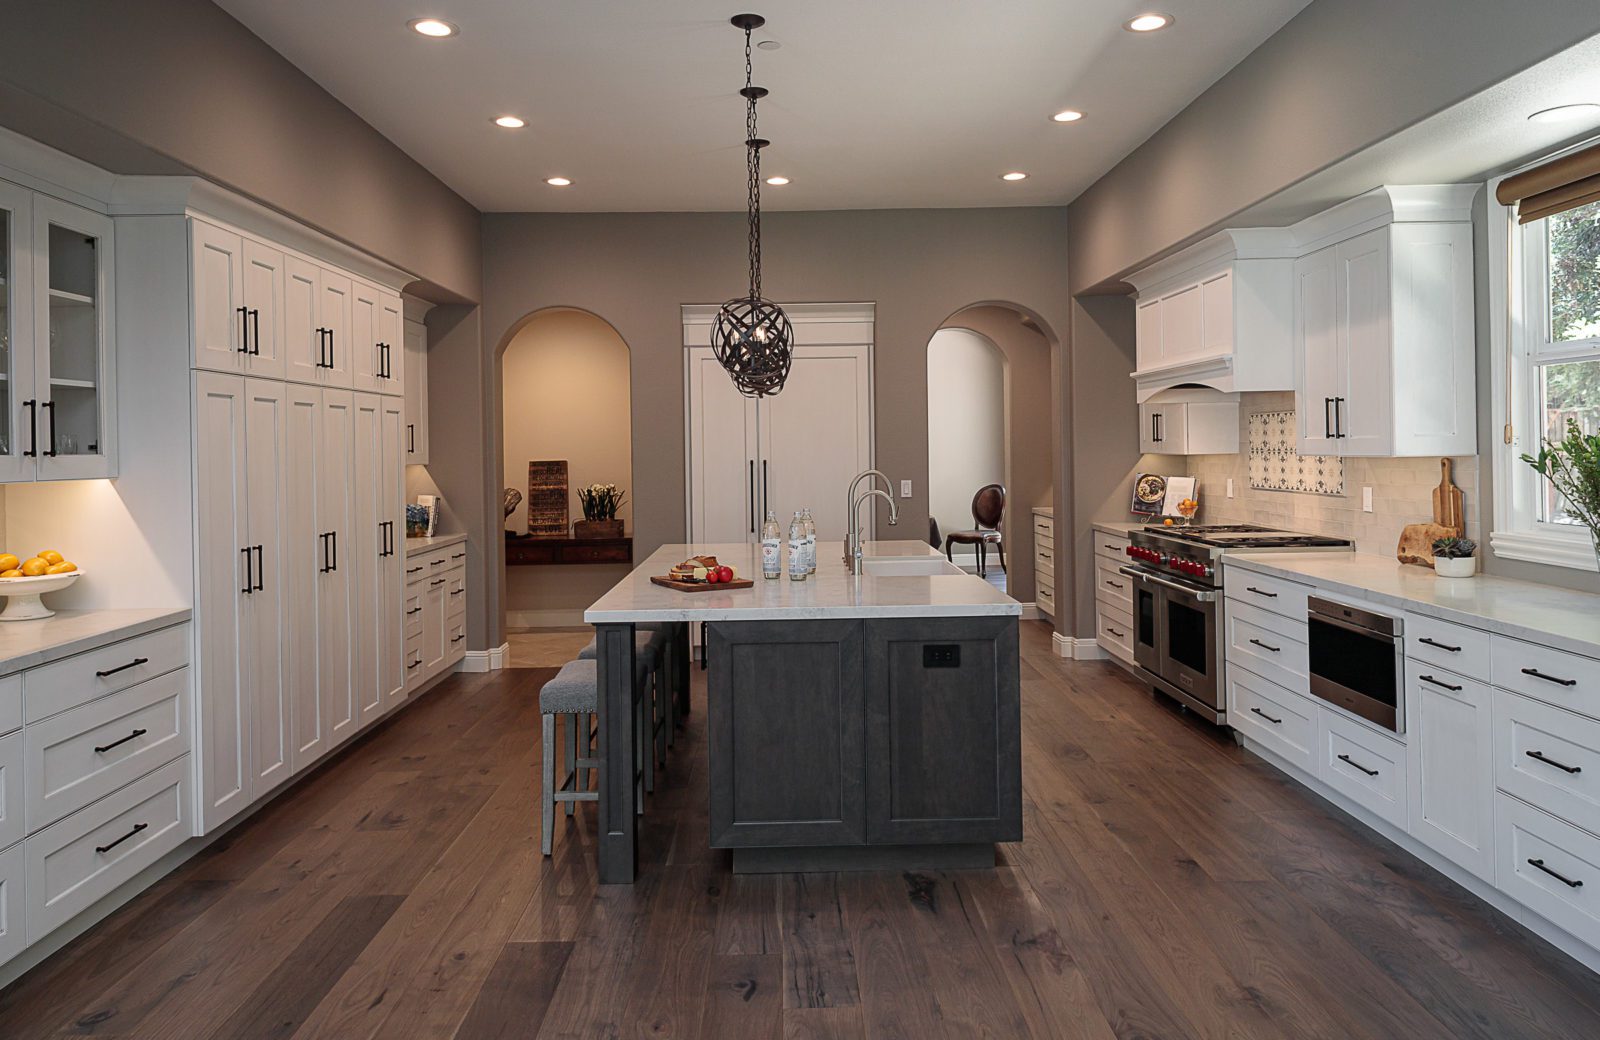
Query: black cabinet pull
point(332, 358)
point(413, 610)
point(764, 498)
point(436, 563)
point(51, 407)
point(457, 592)
point(1261, 592)
point(1549, 678)
point(323, 538)
point(1552, 762)
point(136, 662)
point(255, 328)
point(135, 735)
point(33, 428)
point(1569, 882)
point(1439, 683)
point(1269, 718)
point(1338, 418)
point(334, 537)
point(1441, 646)
point(244, 329)
point(752, 496)
point(1115, 584)
point(103, 849)
point(413, 570)
point(457, 639)
point(249, 561)
point(322, 348)
point(458, 556)
point(411, 438)
point(1274, 649)
point(436, 581)
point(1350, 761)
point(1119, 635)
point(412, 665)
point(261, 569)
point(1327, 418)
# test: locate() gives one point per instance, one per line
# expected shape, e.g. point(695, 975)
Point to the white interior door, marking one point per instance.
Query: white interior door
point(817, 434)
point(272, 737)
point(724, 460)
point(300, 575)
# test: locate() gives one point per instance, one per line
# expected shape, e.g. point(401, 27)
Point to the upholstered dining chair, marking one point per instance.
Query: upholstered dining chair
point(988, 511)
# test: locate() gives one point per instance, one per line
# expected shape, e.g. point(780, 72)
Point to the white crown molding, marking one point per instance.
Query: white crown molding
point(415, 308)
point(44, 169)
point(1212, 254)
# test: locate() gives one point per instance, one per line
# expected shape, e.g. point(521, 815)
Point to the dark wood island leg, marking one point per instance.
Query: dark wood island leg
point(619, 846)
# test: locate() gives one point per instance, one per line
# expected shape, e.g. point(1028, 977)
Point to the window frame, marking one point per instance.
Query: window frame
point(1518, 282)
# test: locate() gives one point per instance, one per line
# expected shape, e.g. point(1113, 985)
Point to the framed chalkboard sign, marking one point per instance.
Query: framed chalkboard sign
point(547, 498)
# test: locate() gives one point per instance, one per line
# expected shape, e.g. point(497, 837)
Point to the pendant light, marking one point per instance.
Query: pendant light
point(752, 337)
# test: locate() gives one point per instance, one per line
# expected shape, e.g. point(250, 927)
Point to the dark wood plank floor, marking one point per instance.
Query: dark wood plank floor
point(1169, 886)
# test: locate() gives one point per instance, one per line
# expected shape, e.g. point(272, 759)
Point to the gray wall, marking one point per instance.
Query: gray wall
point(1342, 75)
point(637, 270)
point(171, 86)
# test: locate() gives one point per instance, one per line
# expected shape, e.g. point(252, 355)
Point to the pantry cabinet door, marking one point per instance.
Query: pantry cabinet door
point(806, 462)
point(367, 541)
point(271, 729)
point(16, 333)
point(391, 345)
point(334, 316)
point(336, 442)
point(301, 576)
point(725, 476)
point(304, 343)
point(221, 668)
point(264, 275)
point(1318, 359)
point(220, 330)
point(365, 363)
point(391, 592)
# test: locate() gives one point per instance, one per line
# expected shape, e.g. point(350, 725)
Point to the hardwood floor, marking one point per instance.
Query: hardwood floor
point(1169, 886)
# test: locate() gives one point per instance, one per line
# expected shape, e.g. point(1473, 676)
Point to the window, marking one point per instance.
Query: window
point(1550, 340)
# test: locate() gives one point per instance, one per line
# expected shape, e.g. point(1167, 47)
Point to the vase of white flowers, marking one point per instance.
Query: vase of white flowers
point(600, 503)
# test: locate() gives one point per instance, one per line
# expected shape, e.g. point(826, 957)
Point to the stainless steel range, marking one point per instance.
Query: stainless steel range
point(1178, 632)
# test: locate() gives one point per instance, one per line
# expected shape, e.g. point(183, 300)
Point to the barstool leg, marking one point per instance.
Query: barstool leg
point(547, 767)
point(569, 768)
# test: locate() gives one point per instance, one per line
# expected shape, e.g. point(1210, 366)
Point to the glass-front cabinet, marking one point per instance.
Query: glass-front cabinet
point(57, 418)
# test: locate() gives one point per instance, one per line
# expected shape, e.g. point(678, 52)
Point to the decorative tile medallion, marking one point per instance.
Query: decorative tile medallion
point(1275, 465)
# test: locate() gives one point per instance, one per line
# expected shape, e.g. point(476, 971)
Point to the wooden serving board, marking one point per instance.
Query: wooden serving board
point(702, 586)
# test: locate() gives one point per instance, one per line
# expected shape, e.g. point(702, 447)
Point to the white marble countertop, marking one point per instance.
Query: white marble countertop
point(28, 644)
point(832, 592)
point(1546, 614)
point(1122, 527)
point(438, 541)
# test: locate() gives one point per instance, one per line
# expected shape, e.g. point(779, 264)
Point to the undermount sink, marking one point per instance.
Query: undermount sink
point(908, 566)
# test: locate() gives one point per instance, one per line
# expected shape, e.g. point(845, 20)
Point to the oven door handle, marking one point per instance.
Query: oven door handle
point(1197, 595)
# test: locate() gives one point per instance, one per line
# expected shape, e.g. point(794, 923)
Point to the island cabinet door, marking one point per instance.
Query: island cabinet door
point(785, 716)
point(944, 731)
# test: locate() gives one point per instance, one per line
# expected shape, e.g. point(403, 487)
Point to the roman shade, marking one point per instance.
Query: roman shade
point(1555, 187)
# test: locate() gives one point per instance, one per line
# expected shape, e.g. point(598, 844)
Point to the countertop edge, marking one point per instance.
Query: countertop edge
point(625, 617)
point(137, 626)
point(1119, 527)
point(438, 541)
point(1441, 612)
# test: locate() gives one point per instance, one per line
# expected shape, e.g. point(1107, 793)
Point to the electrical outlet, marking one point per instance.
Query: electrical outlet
point(1366, 498)
point(1230, 487)
point(905, 489)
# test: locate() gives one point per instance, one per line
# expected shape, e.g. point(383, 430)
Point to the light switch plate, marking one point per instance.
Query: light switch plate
point(1230, 487)
point(1366, 498)
point(905, 489)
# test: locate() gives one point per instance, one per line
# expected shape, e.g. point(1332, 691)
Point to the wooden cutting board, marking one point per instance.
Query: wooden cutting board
point(1447, 501)
point(702, 586)
point(1416, 540)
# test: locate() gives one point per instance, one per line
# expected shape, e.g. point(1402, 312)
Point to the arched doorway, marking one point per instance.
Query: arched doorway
point(565, 396)
point(966, 431)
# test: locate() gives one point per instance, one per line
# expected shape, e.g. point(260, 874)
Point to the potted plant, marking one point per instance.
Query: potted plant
point(1572, 466)
point(600, 504)
point(1452, 557)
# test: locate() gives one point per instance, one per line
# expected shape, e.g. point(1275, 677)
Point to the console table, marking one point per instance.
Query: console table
point(545, 550)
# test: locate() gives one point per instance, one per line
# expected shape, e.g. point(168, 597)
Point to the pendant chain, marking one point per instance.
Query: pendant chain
point(753, 168)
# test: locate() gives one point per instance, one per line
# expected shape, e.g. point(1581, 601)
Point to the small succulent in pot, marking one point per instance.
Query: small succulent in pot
point(1453, 557)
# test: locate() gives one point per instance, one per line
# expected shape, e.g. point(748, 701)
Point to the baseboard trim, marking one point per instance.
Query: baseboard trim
point(1077, 649)
point(1030, 612)
point(544, 618)
point(491, 660)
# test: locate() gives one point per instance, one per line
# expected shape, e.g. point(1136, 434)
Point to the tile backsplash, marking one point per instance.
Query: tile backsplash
point(1402, 491)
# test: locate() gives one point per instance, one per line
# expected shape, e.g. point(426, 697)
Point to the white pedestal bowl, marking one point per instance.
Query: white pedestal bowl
point(22, 595)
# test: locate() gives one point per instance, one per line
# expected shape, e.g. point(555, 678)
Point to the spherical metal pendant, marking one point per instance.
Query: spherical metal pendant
point(754, 341)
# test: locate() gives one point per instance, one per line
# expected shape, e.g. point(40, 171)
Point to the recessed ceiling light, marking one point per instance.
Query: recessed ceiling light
point(558, 182)
point(769, 45)
point(1014, 175)
point(1147, 23)
point(777, 182)
point(438, 28)
point(1069, 115)
point(1565, 113)
point(509, 122)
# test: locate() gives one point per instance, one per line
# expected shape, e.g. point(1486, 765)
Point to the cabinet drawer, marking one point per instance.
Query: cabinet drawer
point(1044, 596)
point(455, 638)
point(415, 670)
point(455, 592)
point(84, 754)
point(1268, 644)
point(1043, 571)
point(411, 613)
point(11, 703)
point(1043, 527)
point(1111, 546)
point(1549, 866)
point(1553, 676)
point(1111, 610)
point(1044, 558)
point(12, 869)
point(12, 789)
point(1442, 644)
point(415, 569)
point(1111, 584)
point(77, 680)
point(1363, 765)
point(1115, 636)
point(457, 555)
point(1549, 758)
point(1287, 598)
point(77, 861)
point(1282, 721)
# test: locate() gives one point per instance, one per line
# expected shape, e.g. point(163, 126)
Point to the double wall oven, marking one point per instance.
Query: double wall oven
point(1178, 635)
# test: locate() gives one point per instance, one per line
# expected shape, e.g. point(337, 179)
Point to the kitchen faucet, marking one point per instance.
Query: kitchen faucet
point(855, 523)
point(850, 509)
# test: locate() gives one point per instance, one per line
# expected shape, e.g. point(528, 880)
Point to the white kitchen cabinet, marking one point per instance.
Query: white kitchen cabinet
point(391, 554)
point(336, 343)
point(1451, 767)
point(1385, 343)
point(334, 463)
point(415, 367)
point(12, 870)
point(237, 286)
point(317, 324)
point(1189, 422)
point(375, 348)
point(375, 556)
point(302, 561)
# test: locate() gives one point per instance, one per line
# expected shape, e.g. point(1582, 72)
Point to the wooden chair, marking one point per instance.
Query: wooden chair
point(988, 510)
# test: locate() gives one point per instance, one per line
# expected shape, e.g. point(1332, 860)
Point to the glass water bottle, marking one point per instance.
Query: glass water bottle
point(771, 548)
point(797, 548)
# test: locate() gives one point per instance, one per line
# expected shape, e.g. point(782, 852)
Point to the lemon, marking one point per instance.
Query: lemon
point(50, 556)
point(35, 567)
point(9, 562)
point(11, 573)
point(64, 567)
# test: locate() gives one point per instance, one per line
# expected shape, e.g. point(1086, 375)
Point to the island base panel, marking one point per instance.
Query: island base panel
point(824, 858)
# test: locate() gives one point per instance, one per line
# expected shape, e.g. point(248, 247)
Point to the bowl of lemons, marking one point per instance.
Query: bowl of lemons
point(22, 582)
